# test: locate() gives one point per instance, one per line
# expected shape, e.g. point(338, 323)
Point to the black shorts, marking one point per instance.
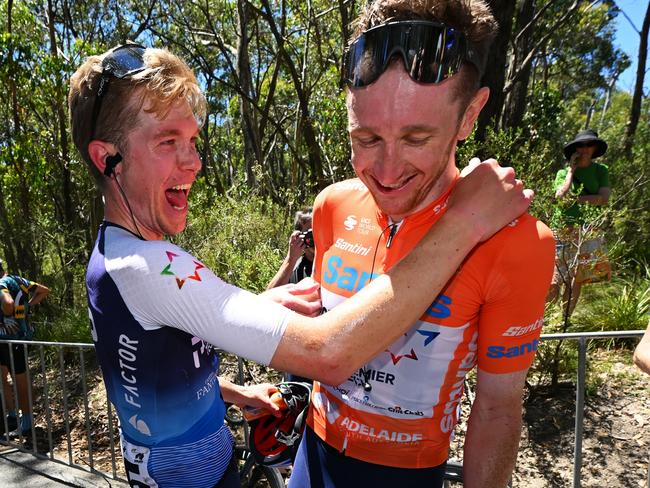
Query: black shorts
point(20, 364)
point(319, 465)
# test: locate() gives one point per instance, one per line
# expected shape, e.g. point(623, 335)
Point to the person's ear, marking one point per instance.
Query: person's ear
point(104, 155)
point(472, 112)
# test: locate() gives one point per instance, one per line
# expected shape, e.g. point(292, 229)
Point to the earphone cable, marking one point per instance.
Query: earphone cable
point(129, 207)
point(393, 229)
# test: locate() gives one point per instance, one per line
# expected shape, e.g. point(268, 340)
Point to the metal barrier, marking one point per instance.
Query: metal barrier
point(582, 339)
point(61, 376)
point(57, 376)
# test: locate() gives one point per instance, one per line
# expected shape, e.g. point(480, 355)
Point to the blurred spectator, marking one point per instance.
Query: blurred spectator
point(300, 256)
point(585, 182)
point(17, 295)
point(299, 261)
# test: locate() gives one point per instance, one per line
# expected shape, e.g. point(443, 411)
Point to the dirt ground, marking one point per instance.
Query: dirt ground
point(616, 440)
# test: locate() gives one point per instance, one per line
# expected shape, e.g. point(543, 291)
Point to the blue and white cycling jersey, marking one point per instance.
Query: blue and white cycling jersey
point(157, 314)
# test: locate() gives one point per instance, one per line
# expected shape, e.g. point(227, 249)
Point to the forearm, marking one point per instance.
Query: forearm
point(642, 354)
point(491, 447)
point(7, 304)
point(592, 199)
point(231, 392)
point(257, 396)
point(40, 295)
point(283, 275)
point(566, 186)
point(332, 346)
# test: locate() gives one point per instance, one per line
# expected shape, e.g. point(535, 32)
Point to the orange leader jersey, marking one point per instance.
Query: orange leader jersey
point(490, 313)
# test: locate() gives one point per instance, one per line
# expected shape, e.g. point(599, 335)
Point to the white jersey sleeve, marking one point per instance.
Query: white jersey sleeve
point(163, 285)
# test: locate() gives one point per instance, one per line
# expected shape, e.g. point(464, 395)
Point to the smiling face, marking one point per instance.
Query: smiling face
point(404, 136)
point(157, 172)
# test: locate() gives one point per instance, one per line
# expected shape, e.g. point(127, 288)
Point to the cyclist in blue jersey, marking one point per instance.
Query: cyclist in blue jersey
point(158, 313)
point(17, 295)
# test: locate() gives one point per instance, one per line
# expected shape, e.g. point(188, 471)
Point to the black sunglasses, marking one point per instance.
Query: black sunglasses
point(431, 51)
point(121, 62)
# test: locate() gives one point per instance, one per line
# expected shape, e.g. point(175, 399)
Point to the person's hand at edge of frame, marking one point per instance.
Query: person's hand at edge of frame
point(489, 197)
point(260, 396)
point(302, 297)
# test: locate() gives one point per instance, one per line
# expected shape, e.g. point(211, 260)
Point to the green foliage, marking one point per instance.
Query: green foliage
point(69, 325)
point(622, 304)
point(242, 237)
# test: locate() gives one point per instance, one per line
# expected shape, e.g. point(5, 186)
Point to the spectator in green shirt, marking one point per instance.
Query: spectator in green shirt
point(586, 182)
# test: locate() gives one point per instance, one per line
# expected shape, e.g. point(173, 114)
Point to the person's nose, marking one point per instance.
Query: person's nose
point(189, 158)
point(387, 165)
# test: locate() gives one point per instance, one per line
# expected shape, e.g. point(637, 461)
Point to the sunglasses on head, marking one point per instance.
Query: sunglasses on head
point(121, 62)
point(431, 51)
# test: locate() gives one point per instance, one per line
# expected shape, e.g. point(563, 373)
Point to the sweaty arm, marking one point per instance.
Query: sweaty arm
point(493, 430)
point(642, 352)
point(7, 302)
point(514, 281)
point(332, 346)
point(283, 275)
point(38, 294)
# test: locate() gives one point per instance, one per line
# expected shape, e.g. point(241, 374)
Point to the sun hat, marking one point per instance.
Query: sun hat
point(587, 135)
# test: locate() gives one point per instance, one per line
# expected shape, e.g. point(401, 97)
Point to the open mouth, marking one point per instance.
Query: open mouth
point(177, 196)
point(394, 187)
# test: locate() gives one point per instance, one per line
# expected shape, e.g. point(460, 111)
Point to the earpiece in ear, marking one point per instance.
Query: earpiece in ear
point(111, 162)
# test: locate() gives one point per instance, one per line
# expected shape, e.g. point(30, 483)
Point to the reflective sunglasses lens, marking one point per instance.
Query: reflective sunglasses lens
point(124, 61)
point(364, 61)
point(431, 52)
point(425, 52)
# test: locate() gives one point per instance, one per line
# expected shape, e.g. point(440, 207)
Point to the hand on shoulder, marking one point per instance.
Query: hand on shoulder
point(489, 197)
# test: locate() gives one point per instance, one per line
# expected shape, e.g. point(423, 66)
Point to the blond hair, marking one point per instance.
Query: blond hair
point(471, 17)
point(166, 80)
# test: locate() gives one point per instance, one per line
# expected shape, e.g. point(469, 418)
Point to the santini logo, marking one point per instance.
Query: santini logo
point(499, 352)
point(515, 331)
point(351, 248)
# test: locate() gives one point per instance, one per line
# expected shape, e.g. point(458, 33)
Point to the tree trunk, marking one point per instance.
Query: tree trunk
point(71, 242)
point(346, 11)
point(635, 111)
point(308, 131)
point(252, 152)
point(494, 76)
point(21, 232)
point(515, 104)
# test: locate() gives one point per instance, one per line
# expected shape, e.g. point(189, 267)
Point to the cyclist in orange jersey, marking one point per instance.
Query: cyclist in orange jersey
point(413, 71)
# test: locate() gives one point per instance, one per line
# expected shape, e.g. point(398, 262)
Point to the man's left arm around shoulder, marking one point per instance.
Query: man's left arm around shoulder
point(493, 430)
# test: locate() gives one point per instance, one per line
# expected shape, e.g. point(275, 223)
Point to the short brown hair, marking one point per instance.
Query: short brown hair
point(166, 80)
point(471, 17)
point(302, 217)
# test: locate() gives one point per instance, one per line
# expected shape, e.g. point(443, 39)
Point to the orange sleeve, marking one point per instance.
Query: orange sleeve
point(322, 229)
point(517, 282)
